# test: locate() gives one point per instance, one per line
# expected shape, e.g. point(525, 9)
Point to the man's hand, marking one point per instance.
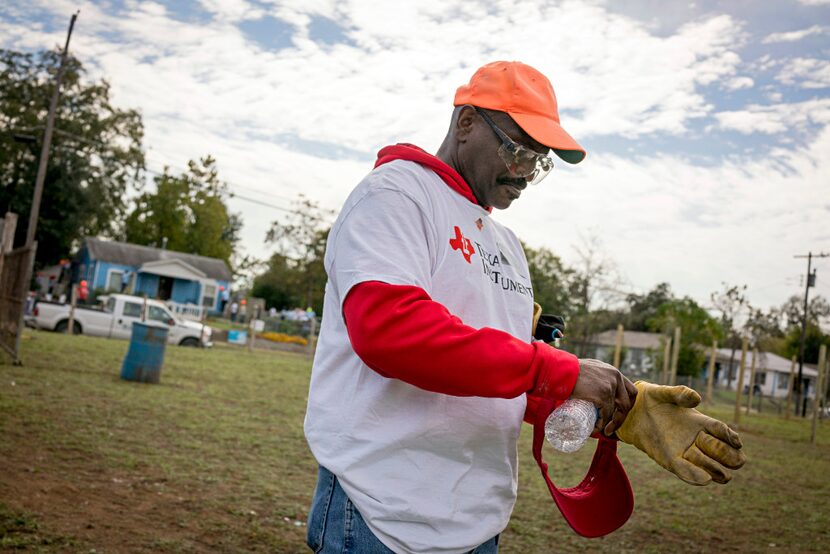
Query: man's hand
point(603, 385)
point(664, 424)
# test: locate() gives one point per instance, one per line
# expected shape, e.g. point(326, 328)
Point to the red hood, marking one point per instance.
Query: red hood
point(410, 152)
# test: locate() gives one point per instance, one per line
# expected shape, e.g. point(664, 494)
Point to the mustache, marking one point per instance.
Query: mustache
point(518, 183)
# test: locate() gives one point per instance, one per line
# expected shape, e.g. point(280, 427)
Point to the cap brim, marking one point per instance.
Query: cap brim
point(603, 501)
point(545, 130)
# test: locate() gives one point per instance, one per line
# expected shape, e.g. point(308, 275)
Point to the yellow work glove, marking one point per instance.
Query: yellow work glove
point(664, 424)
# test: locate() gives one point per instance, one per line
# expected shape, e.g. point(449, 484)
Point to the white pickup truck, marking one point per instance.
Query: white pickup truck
point(114, 318)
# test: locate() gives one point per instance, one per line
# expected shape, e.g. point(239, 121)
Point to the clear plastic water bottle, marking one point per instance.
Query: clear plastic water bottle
point(569, 426)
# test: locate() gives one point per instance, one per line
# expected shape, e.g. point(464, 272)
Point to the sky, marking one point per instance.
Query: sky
point(707, 123)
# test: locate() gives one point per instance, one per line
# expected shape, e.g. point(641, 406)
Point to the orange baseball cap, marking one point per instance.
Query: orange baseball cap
point(527, 96)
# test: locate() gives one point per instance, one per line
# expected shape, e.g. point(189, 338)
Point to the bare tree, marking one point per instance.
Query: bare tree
point(730, 302)
point(596, 289)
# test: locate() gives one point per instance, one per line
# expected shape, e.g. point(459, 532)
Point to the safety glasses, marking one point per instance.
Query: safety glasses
point(521, 162)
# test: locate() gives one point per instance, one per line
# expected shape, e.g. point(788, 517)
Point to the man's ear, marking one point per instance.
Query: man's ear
point(465, 122)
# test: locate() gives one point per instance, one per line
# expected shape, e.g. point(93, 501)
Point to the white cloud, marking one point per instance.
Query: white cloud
point(793, 36)
point(805, 72)
point(612, 75)
point(738, 83)
point(208, 88)
point(665, 219)
point(776, 118)
point(815, 2)
point(232, 10)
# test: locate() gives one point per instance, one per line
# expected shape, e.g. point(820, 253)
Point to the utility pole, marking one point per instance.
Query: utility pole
point(47, 139)
point(811, 282)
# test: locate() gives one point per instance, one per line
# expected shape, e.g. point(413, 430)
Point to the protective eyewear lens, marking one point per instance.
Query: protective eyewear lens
point(523, 162)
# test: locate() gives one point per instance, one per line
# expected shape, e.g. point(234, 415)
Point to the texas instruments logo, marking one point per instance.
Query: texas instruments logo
point(463, 244)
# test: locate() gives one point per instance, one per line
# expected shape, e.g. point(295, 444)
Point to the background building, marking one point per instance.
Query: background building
point(191, 285)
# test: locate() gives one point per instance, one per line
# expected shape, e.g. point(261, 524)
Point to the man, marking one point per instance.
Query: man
point(425, 368)
point(125, 280)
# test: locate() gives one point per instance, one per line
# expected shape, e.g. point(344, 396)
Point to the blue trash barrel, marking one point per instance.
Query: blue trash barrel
point(146, 354)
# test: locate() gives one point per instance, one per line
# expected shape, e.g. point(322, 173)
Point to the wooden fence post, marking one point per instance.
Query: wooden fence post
point(822, 358)
point(73, 300)
point(740, 388)
point(252, 329)
point(9, 226)
point(618, 346)
point(675, 356)
point(664, 380)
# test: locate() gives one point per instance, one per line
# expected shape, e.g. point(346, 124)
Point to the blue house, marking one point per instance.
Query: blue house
point(189, 284)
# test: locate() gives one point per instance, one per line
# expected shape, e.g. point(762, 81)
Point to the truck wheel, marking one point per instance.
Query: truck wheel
point(63, 326)
point(190, 341)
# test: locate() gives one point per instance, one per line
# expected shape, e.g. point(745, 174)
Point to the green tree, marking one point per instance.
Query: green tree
point(279, 284)
point(295, 272)
point(188, 211)
point(698, 329)
point(551, 280)
point(96, 154)
point(793, 310)
point(764, 330)
point(643, 307)
point(813, 339)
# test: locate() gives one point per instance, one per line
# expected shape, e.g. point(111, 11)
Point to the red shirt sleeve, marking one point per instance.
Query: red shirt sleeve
point(401, 333)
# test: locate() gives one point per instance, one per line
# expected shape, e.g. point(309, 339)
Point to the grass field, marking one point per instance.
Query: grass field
point(214, 460)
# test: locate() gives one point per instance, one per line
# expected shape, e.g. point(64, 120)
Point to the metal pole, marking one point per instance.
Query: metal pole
point(710, 377)
point(811, 278)
point(47, 140)
point(788, 409)
point(799, 382)
point(751, 380)
point(740, 388)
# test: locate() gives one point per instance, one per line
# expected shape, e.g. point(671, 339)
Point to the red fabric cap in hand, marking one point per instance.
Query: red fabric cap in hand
point(603, 501)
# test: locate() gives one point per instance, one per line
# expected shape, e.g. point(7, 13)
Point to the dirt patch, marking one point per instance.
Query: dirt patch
point(76, 501)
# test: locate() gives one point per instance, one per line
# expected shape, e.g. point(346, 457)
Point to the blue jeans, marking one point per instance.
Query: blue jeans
point(336, 527)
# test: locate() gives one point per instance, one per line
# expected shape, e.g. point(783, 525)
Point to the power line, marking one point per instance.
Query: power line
point(180, 169)
point(235, 185)
point(230, 193)
point(234, 195)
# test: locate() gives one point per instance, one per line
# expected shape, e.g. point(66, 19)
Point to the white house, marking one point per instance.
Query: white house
point(639, 351)
point(772, 372)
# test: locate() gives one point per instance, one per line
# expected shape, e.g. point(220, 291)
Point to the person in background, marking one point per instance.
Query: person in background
point(125, 280)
